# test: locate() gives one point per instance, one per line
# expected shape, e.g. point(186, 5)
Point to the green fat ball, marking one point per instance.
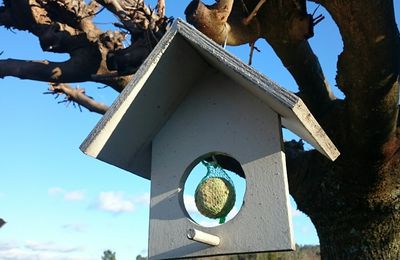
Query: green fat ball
point(215, 197)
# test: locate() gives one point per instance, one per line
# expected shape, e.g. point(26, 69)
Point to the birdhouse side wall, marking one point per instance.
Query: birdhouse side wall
point(218, 115)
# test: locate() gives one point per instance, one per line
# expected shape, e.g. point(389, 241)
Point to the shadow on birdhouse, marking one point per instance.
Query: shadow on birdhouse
point(192, 102)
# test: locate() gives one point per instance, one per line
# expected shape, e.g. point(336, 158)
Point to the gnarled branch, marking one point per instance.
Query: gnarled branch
point(223, 22)
point(146, 27)
point(78, 96)
point(286, 27)
point(79, 68)
point(161, 8)
point(66, 26)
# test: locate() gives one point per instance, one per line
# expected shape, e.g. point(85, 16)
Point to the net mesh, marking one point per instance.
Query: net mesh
point(215, 195)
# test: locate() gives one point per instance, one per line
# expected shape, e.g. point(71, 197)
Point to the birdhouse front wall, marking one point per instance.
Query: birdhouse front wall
point(218, 115)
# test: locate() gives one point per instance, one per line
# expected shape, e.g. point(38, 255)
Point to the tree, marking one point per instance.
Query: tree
point(140, 257)
point(108, 255)
point(353, 202)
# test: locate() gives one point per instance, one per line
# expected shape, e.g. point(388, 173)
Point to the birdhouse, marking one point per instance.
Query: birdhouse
point(192, 101)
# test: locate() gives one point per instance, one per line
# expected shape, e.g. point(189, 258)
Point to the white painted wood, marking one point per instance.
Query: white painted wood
point(218, 115)
point(295, 114)
point(203, 237)
point(191, 98)
point(123, 136)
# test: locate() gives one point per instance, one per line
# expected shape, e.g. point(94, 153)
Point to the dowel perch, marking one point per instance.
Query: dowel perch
point(202, 237)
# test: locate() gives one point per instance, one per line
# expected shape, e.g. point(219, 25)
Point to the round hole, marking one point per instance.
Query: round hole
point(222, 171)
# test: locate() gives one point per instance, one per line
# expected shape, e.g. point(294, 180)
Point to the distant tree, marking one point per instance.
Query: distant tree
point(108, 255)
point(139, 257)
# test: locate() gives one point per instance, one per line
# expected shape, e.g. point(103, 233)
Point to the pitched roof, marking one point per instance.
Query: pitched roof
point(123, 136)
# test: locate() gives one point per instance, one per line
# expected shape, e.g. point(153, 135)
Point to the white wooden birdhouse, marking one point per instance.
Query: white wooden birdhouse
point(192, 101)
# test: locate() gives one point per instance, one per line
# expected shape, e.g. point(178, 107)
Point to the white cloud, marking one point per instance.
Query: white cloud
point(305, 230)
point(8, 245)
point(142, 199)
point(208, 223)
point(190, 204)
point(55, 190)
point(17, 254)
point(295, 212)
point(77, 227)
point(75, 195)
point(115, 202)
point(42, 251)
point(50, 246)
point(26, 254)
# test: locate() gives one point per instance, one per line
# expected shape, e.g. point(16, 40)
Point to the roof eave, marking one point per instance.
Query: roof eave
point(295, 115)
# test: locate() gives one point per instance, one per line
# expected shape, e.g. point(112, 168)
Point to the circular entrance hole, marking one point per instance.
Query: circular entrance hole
point(216, 177)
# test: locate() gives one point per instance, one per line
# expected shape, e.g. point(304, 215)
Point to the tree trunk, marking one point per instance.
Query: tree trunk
point(354, 204)
point(360, 234)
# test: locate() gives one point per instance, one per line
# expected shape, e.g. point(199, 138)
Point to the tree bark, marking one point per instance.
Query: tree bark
point(354, 218)
point(355, 201)
point(360, 235)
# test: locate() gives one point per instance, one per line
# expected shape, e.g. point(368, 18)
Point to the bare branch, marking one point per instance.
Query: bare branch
point(305, 68)
point(47, 71)
point(146, 28)
point(77, 69)
point(161, 8)
point(134, 15)
point(78, 96)
point(286, 27)
point(253, 14)
point(111, 75)
point(223, 21)
point(252, 48)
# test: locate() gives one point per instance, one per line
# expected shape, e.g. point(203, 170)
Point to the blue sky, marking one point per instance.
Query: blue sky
point(61, 204)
